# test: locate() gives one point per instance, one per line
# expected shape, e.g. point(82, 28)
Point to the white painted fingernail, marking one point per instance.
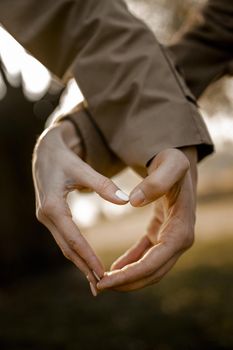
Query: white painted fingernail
point(96, 276)
point(122, 195)
point(93, 290)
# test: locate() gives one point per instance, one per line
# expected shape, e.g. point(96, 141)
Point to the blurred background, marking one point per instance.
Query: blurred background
point(45, 303)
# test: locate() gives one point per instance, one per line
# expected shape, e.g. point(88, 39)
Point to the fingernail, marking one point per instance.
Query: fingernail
point(96, 276)
point(137, 197)
point(103, 284)
point(88, 278)
point(93, 290)
point(121, 195)
point(100, 286)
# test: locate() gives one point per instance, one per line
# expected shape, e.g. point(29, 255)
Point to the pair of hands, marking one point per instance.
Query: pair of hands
point(58, 168)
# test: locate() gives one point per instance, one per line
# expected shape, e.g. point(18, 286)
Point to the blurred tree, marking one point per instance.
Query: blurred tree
point(25, 246)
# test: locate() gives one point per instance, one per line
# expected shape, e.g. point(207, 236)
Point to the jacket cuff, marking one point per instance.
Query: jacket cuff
point(96, 152)
point(186, 129)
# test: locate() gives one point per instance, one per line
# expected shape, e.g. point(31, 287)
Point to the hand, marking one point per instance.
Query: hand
point(172, 184)
point(57, 170)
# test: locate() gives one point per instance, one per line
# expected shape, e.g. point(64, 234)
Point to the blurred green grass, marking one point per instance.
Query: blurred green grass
point(190, 309)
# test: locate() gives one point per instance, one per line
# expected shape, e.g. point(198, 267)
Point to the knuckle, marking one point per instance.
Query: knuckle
point(67, 254)
point(183, 161)
point(104, 185)
point(154, 186)
point(149, 268)
point(186, 239)
point(185, 164)
point(48, 208)
point(189, 241)
point(73, 244)
point(40, 215)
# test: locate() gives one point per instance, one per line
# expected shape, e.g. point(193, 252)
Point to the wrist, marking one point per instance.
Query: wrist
point(191, 154)
point(70, 137)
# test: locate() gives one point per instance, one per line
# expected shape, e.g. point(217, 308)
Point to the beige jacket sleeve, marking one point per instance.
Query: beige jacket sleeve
point(205, 53)
point(136, 99)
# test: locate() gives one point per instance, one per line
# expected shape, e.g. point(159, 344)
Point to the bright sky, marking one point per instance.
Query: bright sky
point(36, 80)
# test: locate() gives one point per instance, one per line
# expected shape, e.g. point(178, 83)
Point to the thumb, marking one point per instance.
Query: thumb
point(166, 169)
point(100, 184)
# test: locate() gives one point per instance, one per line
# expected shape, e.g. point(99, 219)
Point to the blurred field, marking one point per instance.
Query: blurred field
point(190, 309)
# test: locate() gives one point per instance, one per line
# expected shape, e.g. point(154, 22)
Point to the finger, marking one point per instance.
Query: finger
point(58, 213)
point(73, 257)
point(154, 278)
point(143, 244)
point(165, 171)
point(86, 176)
point(175, 238)
point(79, 244)
point(133, 254)
point(144, 267)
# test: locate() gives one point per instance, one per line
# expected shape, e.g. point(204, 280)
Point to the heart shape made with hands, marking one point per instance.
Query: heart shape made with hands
point(170, 177)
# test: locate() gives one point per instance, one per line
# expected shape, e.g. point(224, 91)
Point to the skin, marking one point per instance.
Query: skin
point(57, 170)
point(171, 184)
